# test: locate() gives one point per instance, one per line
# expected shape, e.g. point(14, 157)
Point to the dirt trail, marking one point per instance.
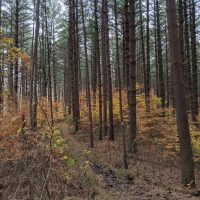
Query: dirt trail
point(153, 176)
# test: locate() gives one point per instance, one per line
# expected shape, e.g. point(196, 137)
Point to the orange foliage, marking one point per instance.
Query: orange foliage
point(151, 126)
point(155, 102)
point(11, 122)
point(11, 53)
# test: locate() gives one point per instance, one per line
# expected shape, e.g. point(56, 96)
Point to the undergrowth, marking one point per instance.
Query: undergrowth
point(44, 159)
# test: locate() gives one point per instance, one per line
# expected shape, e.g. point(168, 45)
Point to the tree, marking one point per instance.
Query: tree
point(187, 166)
point(126, 44)
point(144, 58)
point(73, 64)
point(1, 79)
point(16, 69)
point(148, 66)
point(107, 79)
point(132, 79)
point(33, 90)
point(160, 60)
point(99, 71)
point(194, 95)
point(120, 88)
point(187, 59)
point(87, 78)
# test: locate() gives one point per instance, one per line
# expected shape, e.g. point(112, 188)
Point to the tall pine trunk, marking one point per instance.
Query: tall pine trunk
point(148, 66)
point(132, 79)
point(160, 60)
point(88, 97)
point(187, 166)
point(34, 77)
point(99, 71)
point(120, 88)
point(194, 95)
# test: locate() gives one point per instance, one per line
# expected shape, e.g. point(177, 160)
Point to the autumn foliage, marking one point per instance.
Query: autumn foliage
point(150, 125)
point(10, 53)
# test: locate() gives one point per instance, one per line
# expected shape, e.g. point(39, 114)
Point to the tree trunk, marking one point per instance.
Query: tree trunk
point(16, 69)
point(160, 60)
point(143, 56)
point(54, 66)
point(105, 70)
point(187, 59)
point(132, 79)
point(33, 89)
point(194, 95)
point(156, 52)
point(120, 88)
point(87, 78)
point(187, 166)
point(97, 52)
point(148, 67)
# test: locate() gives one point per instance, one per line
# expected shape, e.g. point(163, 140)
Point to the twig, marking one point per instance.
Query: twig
point(47, 177)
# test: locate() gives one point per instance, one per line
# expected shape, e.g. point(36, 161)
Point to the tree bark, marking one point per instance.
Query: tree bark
point(148, 66)
point(187, 166)
point(99, 71)
point(132, 79)
point(87, 78)
point(33, 89)
point(160, 60)
point(120, 88)
point(194, 95)
point(16, 69)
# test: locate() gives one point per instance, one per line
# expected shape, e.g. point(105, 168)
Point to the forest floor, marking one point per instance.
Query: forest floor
point(152, 173)
point(78, 172)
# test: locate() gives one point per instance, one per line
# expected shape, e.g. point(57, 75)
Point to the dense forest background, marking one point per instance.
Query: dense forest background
point(99, 99)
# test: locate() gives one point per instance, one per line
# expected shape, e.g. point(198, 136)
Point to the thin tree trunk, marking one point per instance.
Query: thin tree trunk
point(143, 56)
point(120, 89)
point(160, 60)
point(105, 70)
point(167, 70)
point(16, 69)
point(54, 66)
point(33, 89)
point(126, 38)
point(156, 52)
point(49, 65)
point(1, 82)
point(132, 79)
point(109, 78)
point(148, 67)
point(187, 59)
point(194, 95)
point(97, 52)
point(87, 78)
